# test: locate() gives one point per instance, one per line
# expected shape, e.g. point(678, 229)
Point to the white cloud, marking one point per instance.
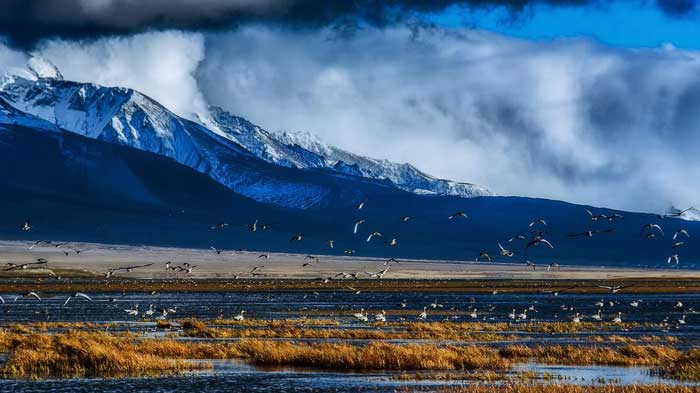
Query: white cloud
point(567, 119)
point(160, 65)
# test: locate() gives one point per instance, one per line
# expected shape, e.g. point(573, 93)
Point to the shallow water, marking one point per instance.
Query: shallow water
point(239, 377)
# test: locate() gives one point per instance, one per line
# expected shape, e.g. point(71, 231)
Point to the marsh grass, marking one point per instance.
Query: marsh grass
point(686, 367)
point(627, 355)
point(556, 388)
point(80, 354)
point(373, 356)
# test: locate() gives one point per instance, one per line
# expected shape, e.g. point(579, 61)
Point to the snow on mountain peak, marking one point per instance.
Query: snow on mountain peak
point(43, 68)
point(403, 175)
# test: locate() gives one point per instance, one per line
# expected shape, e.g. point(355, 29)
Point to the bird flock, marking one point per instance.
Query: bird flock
point(534, 237)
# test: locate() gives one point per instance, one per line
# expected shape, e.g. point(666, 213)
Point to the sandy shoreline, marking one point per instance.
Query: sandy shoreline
point(100, 258)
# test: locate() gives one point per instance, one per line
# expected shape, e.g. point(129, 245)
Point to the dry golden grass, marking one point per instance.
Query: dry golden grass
point(79, 354)
point(554, 388)
point(686, 367)
point(628, 355)
point(374, 356)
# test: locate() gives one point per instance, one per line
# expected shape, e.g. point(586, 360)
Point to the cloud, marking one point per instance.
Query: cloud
point(27, 22)
point(567, 119)
point(160, 65)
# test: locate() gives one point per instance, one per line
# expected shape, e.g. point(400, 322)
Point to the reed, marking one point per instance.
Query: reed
point(80, 354)
point(373, 356)
point(555, 388)
point(627, 355)
point(686, 367)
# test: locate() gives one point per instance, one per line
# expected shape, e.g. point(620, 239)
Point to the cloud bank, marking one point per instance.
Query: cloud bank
point(567, 119)
point(26, 22)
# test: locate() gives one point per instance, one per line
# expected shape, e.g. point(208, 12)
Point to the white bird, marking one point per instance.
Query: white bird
point(615, 288)
point(635, 303)
point(28, 294)
point(512, 315)
point(523, 315)
point(458, 214)
point(682, 320)
point(597, 316)
point(504, 252)
point(435, 304)
point(380, 274)
point(381, 317)
point(538, 221)
point(361, 205)
point(78, 294)
point(600, 303)
point(653, 226)
point(673, 257)
point(679, 304)
point(424, 315)
point(26, 226)
point(150, 310)
point(357, 225)
point(403, 303)
point(239, 316)
point(372, 235)
point(217, 251)
point(134, 311)
point(330, 243)
point(361, 316)
point(679, 232)
point(473, 314)
point(392, 242)
point(618, 318)
point(577, 318)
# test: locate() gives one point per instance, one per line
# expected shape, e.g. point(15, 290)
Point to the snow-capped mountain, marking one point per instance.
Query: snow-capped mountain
point(11, 116)
point(229, 149)
point(405, 176)
point(305, 150)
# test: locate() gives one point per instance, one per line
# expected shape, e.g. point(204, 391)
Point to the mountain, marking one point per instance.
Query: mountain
point(404, 176)
point(76, 188)
point(305, 150)
point(229, 149)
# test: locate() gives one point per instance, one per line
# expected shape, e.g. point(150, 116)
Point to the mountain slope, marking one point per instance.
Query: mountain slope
point(405, 176)
point(216, 146)
point(80, 189)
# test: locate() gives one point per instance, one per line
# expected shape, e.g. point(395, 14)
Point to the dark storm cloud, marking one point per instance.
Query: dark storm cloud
point(25, 22)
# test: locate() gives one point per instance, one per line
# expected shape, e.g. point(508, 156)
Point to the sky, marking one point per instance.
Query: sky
point(586, 101)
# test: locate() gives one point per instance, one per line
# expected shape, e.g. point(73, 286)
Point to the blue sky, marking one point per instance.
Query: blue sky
point(621, 23)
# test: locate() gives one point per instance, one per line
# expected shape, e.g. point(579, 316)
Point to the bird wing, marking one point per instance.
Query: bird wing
point(545, 241)
point(34, 294)
point(67, 300)
point(84, 296)
point(356, 225)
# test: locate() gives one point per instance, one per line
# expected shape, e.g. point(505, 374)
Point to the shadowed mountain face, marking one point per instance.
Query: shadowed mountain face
point(230, 150)
point(80, 189)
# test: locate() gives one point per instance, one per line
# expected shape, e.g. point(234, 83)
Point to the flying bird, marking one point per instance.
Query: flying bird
point(330, 243)
point(504, 252)
point(357, 224)
point(392, 242)
point(537, 241)
point(77, 295)
point(615, 288)
point(27, 226)
point(361, 205)
point(673, 257)
point(216, 250)
point(372, 235)
point(596, 217)
point(483, 255)
point(590, 233)
point(405, 218)
point(297, 238)
point(681, 232)
point(458, 214)
point(538, 221)
point(652, 226)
